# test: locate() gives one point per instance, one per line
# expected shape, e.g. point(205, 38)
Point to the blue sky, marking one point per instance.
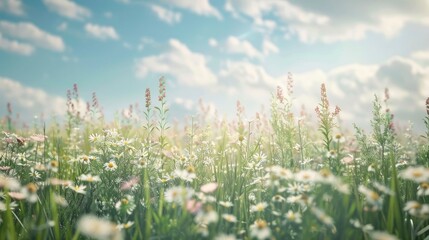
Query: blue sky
point(220, 51)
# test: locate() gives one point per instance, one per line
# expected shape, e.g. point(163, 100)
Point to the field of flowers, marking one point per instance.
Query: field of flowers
point(281, 176)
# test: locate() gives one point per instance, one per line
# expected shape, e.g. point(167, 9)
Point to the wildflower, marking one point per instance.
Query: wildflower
point(383, 188)
point(229, 218)
point(126, 204)
point(280, 172)
point(260, 207)
point(141, 162)
point(186, 175)
point(95, 138)
point(148, 98)
point(21, 157)
point(293, 217)
point(193, 206)
point(126, 225)
point(4, 168)
point(371, 197)
point(17, 195)
point(423, 189)
point(307, 176)
point(112, 133)
point(85, 159)
point(53, 166)
point(206, 198)
point(295, 188)
point(331, 154)
point(347, 160)
point(417, 174)
point(59, 182)
point(89, 178)
point(178, 194)
point(34, 174)
point(379, 235)
point(40, 167)
point(427, 105)
point(323, 217)
point(38, 137)
point(226, 204)
point(339, 138)
point(260, 157)
point(365, 228)
point(260, 229)
point(130, 183)
point(78, 188)
point(9, 183)
point(207, 216)
point(209, 187)
point(278, 198)
point(12, 206)
point(279, 94)
point(30, 192)
point(416, 209)
point(110, 166)
point(60, 200)
point(224, 236)
point(97, 228)
point(203, 230)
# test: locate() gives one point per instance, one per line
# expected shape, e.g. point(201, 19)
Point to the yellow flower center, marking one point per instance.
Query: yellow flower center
point(190, 169)
point(424, 185)
point(374, 196)
point(261, 224)
point(31, 187)
point(417, 174)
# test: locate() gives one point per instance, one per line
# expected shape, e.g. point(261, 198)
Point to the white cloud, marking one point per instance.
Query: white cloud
point(189, 68)
point(247, 74)
point(213, 42)
point(201, 7)
point(145, 41)
point(269, 47)
point(351, 87)
point(15, 46)
point(30, 32)
point(421, 55)
point(265, 24)
point(349, 20)
point(63, 26)
point(166, 15)
point(28, 100)
point(68, 9)
point(12, 6)
point(101, 32)
point(237, 46)
point(186, 103)
point(282, 9)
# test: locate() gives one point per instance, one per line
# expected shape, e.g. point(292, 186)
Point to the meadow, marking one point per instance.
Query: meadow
point(281, 176)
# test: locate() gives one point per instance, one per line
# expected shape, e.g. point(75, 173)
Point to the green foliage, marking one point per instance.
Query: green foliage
point(275, 177)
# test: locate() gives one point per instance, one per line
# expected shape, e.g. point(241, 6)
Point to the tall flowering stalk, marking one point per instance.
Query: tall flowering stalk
point(426, 120)
point(283, 121)
point(9, 116)
point(149, 128)
point(326, 118)
point(162, 114)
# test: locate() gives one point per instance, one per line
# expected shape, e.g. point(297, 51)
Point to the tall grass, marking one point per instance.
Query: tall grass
point(277, 177)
